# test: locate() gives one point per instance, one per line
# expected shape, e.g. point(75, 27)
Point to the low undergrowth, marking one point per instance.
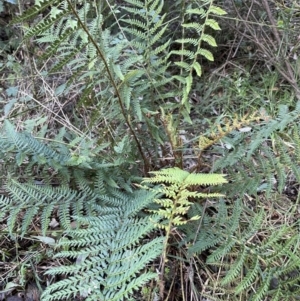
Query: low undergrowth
point(136, 164)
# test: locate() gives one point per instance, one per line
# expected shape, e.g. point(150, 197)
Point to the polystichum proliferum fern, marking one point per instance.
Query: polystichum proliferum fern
point(129, 72)
point(111, 253)
point(110, 241)
point(247, 253)
point(265, 158)
point(176, 189)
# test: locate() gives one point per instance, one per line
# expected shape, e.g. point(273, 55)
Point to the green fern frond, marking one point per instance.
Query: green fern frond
point(242, 257)
point(27, 145)
point(32, 200)
point(254, 226)
point(112, 263)
point(35, 10)
point(221, 251)
point(250, 276)
point(189, 58)
point(261, 292)
point(235, 269)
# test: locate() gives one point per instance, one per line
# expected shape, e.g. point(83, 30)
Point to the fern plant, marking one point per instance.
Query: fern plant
point(177, 195)
point(110, 256)
point(37, 176)
point(263, 158)
point(247, 253)
point(109, 233)
point(97, 51)
point(128, 73)
point(109, 239)
point(252, 259)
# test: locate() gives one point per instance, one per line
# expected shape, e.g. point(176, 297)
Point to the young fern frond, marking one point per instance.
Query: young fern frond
point(176, 184)
point(177, 187)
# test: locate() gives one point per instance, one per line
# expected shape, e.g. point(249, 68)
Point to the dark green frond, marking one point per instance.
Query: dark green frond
point(111, 264)
point(35, 10)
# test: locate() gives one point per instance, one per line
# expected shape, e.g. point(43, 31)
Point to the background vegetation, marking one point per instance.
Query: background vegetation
point(149, 150)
